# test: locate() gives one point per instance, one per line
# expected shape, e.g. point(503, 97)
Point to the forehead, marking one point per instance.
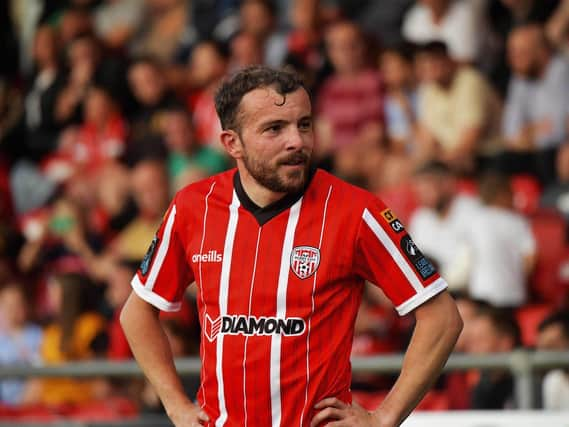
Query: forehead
point(267, 104)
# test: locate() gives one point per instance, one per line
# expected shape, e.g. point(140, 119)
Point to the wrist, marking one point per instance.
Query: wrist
point(382, 418)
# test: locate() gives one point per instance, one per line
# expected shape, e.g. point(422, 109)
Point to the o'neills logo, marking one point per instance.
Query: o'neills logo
point(209, 256)
point(251, 325)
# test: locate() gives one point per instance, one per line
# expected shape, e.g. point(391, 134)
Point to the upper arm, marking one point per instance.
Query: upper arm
point(387, 256)
point(165, 272)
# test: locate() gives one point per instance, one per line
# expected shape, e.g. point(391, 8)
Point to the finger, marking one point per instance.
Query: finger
point(327, 414)
point(341, 423)
point(202, 416)
point(331, 401)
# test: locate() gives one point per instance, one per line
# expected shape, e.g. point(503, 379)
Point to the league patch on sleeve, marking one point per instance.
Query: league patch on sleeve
point(421, 264)
point(147, 260)
point(392, 220)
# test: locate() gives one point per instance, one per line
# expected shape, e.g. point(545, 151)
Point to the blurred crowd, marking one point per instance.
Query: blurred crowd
point(455, 112)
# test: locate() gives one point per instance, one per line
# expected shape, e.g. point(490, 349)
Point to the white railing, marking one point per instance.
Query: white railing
point(523, 364)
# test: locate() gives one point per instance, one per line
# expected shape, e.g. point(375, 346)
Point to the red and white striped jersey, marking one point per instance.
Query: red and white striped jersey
point(278, 290)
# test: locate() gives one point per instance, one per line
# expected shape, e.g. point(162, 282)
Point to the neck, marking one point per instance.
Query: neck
point(260, 195)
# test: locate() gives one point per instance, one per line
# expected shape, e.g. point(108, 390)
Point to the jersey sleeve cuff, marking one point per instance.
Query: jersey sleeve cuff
point(426, 294)
point(153, 298)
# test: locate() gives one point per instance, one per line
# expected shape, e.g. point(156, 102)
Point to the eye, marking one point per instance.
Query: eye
point(276, 128)
point(305, 125)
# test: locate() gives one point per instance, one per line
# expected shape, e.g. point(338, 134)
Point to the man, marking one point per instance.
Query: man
point(554, 336)
point(500, 270)
point(493, 330)
point(280, 261)
point(459, 112)
point(536, 117)
point(440, 224)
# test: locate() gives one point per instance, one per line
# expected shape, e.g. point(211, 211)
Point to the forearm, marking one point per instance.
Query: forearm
point(432, 342)
point(151, 349)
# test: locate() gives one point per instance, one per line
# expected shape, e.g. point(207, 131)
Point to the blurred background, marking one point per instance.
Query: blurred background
point(454, 112)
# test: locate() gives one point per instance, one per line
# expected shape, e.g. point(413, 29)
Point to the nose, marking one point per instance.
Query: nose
point(296, 140)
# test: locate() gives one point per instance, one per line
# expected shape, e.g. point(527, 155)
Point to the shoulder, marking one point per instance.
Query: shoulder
point(347, 198)
point(187, 196)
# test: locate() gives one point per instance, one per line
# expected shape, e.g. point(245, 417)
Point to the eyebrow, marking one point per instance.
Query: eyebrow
point(270, 123)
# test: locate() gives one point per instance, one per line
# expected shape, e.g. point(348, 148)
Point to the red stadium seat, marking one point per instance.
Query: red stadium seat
point(526, 192)
point(433, 400)
point(549, 229)
point(529, 318)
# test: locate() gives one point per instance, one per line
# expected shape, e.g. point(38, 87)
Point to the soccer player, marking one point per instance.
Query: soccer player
point(279, 253)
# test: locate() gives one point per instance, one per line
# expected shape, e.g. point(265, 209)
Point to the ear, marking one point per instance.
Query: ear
point(232, 143)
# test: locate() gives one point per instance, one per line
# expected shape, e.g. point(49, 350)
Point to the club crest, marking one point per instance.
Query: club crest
point(304, 261)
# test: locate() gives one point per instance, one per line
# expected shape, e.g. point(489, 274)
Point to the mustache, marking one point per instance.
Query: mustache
point(295, 158)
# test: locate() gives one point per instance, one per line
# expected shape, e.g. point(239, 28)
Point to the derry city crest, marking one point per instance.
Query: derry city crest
point(304, 261)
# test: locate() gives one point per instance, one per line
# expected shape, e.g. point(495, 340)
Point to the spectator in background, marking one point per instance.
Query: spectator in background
point(102, 135)
point(503, 16)
point(149, 181)
point(554, 336)
point(70, 337)
point(117, 292)
point(503, 249)
point(116, 21)
point(381, 18)
point(349, 109)
point(557, 27)
point(456, 22)
point(245, 51)
point(493, 331)
point(257, 17)
point(41, 125)
point(537, 107)
point(208, 65)
point(440, 225)
point(459, 112)
point(187, 160)
point(163, 30)
point(19, 340)
point(149, 185)
point(115, 207)
point(153, 97)
point(401, 100)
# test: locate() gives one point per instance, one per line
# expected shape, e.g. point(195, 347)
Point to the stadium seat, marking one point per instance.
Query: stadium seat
point(546, 284)
point(526, 192)
point(529, 318)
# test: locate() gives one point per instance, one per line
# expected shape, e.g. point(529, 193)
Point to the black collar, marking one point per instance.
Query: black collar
point(263, 215)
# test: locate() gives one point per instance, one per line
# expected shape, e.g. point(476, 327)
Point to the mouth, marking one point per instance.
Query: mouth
point(295, 160)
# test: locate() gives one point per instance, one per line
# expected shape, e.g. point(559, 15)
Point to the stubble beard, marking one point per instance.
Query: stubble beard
point(275, 178)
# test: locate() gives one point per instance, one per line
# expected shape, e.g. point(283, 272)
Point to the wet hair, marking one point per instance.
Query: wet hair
point(557, 318)
point(228, 97)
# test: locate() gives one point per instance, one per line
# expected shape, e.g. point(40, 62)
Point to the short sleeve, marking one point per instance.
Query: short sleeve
point(164, 272)
point(386, 255)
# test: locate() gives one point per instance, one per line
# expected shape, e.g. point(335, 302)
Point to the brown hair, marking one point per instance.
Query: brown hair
point(229, 95)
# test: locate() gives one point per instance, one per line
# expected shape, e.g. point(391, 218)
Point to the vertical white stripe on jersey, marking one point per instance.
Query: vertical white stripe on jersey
point(201, 282)
point(223, 299)
point(162, 250)
point(247, 337)
point(312, 311)
point(281, 313)
point(392, 250)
